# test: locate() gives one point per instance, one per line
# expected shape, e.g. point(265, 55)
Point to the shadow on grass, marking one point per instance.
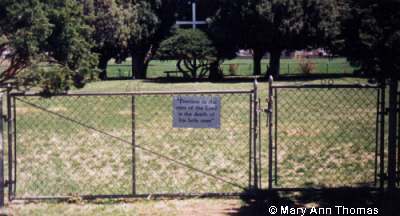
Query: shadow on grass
point(261, 202)
point(237, 79)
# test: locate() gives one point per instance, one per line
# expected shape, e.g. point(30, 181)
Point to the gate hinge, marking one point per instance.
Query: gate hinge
point(269, 100)
point(7, 183)
point(384, 112)
point(384, 176)
point(267, 110)
point(387, 110)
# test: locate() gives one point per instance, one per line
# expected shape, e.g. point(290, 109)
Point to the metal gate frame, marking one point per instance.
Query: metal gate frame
point(254, 145)
point(272, 121)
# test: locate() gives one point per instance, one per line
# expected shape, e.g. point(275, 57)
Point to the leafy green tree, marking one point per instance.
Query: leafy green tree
point(232, 21)
point(110, 34)
point(149, 23)
point(371, 37)
point(129, 28)
point(50, 33)
point(205, 10)
point(193, 49)
point(298, 25)
point(276, 25)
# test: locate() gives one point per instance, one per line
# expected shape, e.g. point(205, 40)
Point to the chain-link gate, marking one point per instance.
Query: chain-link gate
point(325, 136)
point(125, 145)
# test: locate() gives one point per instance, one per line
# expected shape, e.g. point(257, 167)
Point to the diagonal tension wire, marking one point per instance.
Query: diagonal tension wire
point(128, 142)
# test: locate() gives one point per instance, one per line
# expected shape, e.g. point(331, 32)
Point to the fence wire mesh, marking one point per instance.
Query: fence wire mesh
point(324, 137)
point(83, 145)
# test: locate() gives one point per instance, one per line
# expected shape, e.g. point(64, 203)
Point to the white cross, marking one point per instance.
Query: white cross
point(194, 21)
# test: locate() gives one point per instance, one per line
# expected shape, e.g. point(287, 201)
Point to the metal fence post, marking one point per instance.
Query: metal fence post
point(392, 142)
point(382, 138)
point(275, 146)
point(10, 136)
point(377, 136)
point(1, 154)
point(269, 125)
point(250, 138)
point(255, 124)
point(133, 104)
point(14, 129)
point(398, 141)
point(392, 135)
point(259, 145)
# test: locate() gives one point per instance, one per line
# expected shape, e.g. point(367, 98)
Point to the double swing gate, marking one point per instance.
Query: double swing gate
point(116, 145)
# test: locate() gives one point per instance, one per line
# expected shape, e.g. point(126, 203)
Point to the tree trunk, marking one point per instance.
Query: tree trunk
point(274, 63)
point(185, 73)
point(215, 73)
point(195, 68)
point(103, 63)
point(258, 54)
point(139, 65)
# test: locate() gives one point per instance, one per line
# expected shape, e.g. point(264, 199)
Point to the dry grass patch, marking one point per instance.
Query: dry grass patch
point(161, 207)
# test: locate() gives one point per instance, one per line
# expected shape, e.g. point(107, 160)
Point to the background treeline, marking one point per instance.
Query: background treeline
point(75, 39)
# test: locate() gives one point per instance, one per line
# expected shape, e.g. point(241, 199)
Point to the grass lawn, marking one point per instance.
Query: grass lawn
point(58, 157)
point(244, 67)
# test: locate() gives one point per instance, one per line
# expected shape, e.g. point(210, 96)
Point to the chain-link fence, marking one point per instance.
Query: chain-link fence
point(127, 145)
point(324, 136)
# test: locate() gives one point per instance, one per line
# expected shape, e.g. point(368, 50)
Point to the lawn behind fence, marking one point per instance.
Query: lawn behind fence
point(239, 67)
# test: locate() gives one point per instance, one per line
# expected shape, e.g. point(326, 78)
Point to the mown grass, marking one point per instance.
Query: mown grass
point(244, 67)
point(58, 156)
point(326, 137)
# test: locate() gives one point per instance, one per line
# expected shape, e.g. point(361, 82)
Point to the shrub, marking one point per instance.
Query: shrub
point(233, 69)
point(193, 50)
point(306, 66)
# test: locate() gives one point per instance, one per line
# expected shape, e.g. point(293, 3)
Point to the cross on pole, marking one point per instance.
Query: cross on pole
point(194, 21)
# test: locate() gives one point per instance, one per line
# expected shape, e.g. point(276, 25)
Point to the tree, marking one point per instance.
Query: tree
point(126, 28)
point(238, 21)
point(193, 49)
point(371, 40)
point(50, 33)
point(149, 22)
point(370, 36)
point(298, 25)
point(277, 25)
point(110, 33)
point(205, 10)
